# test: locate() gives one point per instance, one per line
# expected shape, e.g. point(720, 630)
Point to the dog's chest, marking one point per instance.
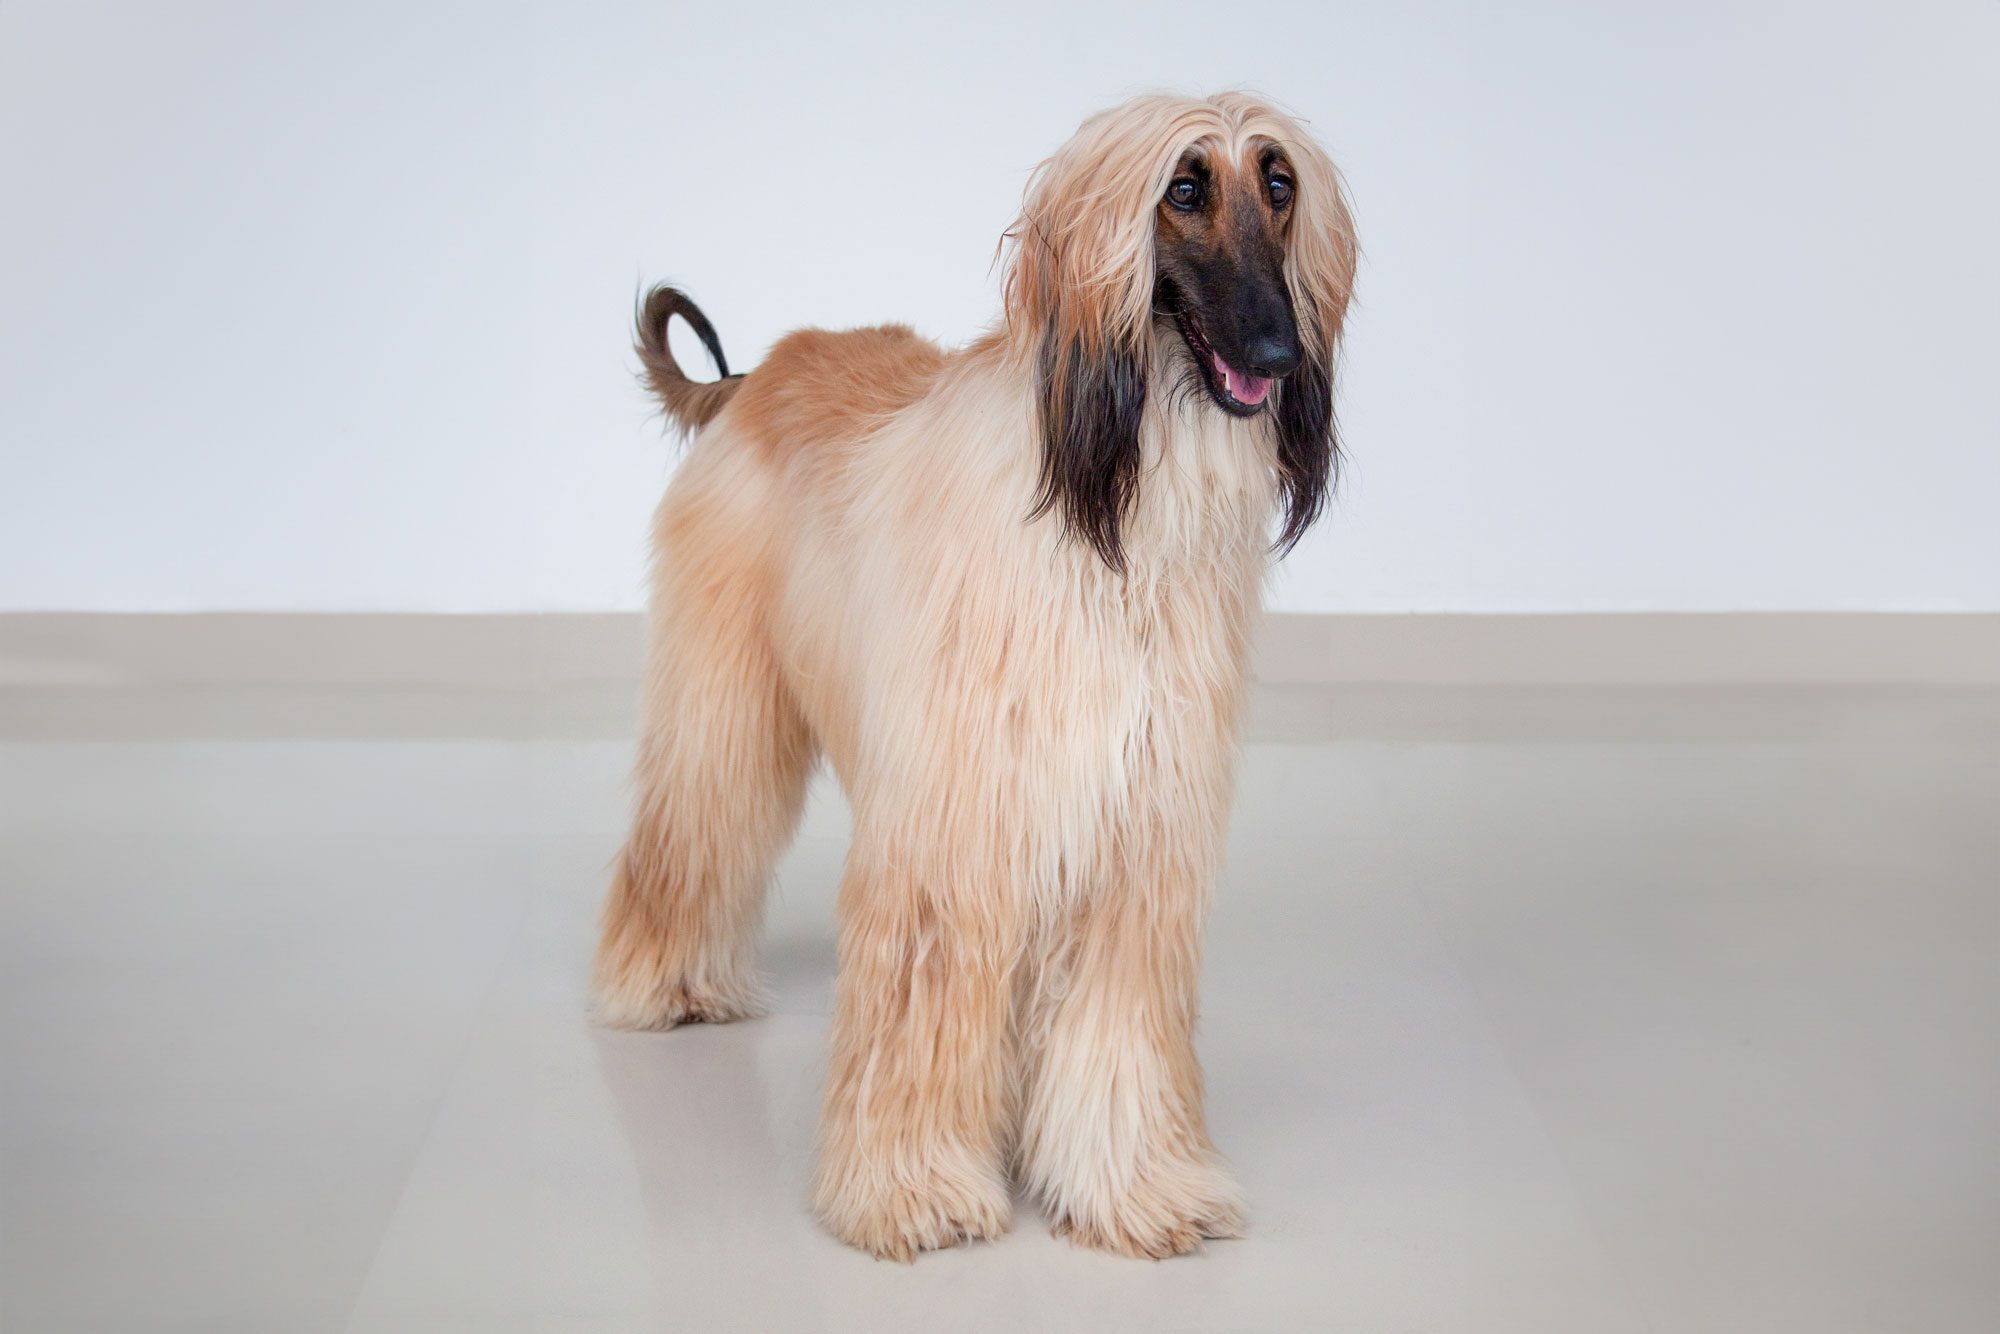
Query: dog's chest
point(1131, 746)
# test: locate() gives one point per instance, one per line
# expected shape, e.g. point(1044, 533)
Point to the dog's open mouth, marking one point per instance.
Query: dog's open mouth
point(1237, 392)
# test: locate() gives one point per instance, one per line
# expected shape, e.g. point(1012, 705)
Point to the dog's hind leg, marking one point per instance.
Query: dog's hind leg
point(721, 779)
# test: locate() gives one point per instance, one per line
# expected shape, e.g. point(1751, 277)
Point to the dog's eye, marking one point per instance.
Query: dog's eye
point(1281, 192)
point(1185, 194)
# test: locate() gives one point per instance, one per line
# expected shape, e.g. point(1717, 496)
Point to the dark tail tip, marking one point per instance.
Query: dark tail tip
point(689, 403)
point(661, 304)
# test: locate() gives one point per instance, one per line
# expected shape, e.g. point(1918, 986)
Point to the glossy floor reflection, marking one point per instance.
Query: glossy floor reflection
point(1525, 1010)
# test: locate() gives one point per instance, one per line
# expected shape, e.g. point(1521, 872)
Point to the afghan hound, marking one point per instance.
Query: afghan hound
point(1006, 590)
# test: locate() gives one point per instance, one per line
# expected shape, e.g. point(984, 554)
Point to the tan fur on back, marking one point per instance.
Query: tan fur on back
point(819, 388)
point(1039, 753)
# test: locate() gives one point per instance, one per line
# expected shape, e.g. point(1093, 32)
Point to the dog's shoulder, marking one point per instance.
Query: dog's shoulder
point(820, 387)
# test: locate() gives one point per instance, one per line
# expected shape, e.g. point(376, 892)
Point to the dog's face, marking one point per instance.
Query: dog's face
point(1219, 219)
point(1219, 259)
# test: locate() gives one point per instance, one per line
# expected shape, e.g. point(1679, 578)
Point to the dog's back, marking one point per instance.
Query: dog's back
point(820, 389)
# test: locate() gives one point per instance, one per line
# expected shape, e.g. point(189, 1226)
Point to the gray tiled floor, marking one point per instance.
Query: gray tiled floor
point(1526, 1010)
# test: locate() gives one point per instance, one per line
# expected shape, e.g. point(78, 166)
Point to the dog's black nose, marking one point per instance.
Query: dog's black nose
point(1272, 355)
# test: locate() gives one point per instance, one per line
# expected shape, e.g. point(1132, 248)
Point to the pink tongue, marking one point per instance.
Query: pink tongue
point(1248, 390)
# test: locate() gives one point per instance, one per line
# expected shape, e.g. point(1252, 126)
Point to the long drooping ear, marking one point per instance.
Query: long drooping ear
point(1308, 446)
point(1090, 403)
point(1320, 261)
point(1079, 307)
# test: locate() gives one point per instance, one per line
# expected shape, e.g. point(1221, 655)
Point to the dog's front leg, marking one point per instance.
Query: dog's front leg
point(916, 1117)
point(1114, 1139)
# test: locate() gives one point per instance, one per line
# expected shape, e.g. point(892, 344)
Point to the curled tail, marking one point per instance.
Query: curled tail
point(690, 404)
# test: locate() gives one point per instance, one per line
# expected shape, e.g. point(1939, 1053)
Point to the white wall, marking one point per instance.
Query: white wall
point(1688, 306)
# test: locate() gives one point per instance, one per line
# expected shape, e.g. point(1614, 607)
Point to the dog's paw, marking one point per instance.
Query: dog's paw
point(1164, 1212)
point(671, 1004)
point(894, 1219)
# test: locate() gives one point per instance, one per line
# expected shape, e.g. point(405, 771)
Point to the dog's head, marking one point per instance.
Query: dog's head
point(1219, 220)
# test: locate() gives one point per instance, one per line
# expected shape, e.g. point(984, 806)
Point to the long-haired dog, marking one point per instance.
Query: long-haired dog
point(1006, 592)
